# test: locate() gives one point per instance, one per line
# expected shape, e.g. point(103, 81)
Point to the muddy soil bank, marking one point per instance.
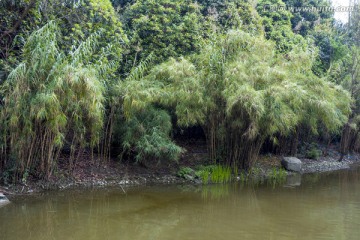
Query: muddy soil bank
point(127, 174)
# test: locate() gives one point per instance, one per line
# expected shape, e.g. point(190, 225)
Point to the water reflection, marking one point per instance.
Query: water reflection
point(324, 206)
point(293, 180)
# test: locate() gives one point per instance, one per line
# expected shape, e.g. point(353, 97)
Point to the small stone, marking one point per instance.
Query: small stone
point(189, 177)
point(3, 200)
point(291, 164)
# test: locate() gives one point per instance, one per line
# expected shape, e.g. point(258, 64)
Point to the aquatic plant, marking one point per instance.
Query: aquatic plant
point(221, 174)
point(214, 173)
point(277, 176)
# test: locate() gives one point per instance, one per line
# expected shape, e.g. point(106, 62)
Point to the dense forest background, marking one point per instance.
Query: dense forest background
point(125, 78)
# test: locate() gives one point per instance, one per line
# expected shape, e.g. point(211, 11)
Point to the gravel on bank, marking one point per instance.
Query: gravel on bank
point(329, 162)
point(325, 165)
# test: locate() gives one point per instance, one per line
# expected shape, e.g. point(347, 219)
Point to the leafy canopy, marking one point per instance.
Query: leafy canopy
point(239, 82)
point(51, 98)
point(168, 28)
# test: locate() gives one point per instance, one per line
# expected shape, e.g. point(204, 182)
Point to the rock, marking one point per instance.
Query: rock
point(197, 181)
point(291, 164)
point(3, 200)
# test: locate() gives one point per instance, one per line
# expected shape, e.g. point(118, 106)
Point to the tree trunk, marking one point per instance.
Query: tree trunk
point(345, 141)
point(294, 143)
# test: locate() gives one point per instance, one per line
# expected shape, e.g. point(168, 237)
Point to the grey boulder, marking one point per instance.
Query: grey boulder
point(291, 164)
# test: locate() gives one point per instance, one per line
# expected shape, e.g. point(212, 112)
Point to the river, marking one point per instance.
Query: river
point(324, 206)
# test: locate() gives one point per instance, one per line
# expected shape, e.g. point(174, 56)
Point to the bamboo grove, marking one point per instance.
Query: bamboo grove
point(94, 76)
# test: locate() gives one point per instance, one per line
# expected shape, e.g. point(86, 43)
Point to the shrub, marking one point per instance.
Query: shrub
point(185, 171)
point(313, 153)
point(51, 98)
point(146, 135)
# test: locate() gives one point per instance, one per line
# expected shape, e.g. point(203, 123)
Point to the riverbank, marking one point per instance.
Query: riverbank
point(327, 163)
point(88, 174)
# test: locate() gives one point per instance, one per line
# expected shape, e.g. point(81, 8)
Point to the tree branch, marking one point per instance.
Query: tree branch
point(18, 23)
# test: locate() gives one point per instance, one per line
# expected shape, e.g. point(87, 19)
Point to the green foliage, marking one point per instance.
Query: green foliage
point(77, 21)
point(221, 174)
point(18, 19)
point(313, 153)
point(232, 14)
point(346, 71)
point(121, 3)
point(204, 173)
point(277, 176)
point(255, 171)
point(185, 171)
point(354, 25)
point(332, 48)
point(239, 71)
point(254, 175)
point(147, 135)
point(204, 176)
point(241, 91)
point(305, 20)
point(50, 98)
point(208, 174)
point(243, 177)
point(215, 173)
point(277, 26)
point(167, 28)
point(7, 175)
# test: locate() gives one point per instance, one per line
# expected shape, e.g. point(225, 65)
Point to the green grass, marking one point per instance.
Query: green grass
point(277, 176)
point(221, 174)
point(214, 174)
